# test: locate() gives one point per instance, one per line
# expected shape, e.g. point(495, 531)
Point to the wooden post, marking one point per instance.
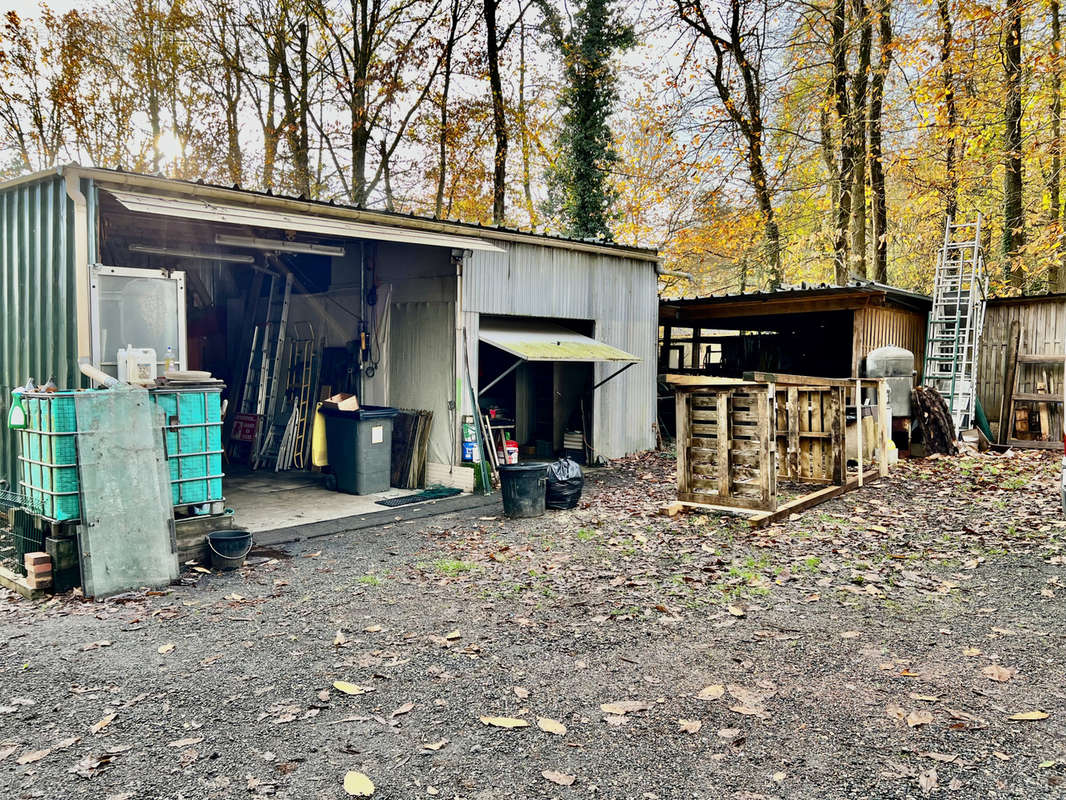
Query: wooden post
point(838, 401)
point(724, 432)
point(858, 425)
point(664, 348)
point(792, 468)
point(884, 426)
point(681, 439)
point(768, 444)
point(697, 341)
point(1010, 367)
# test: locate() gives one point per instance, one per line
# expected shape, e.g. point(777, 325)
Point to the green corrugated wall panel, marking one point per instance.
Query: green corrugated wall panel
point(37, 293)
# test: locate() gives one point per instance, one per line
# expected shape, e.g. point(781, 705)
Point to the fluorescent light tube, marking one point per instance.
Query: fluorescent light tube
point(238, 258)
point(278, 245)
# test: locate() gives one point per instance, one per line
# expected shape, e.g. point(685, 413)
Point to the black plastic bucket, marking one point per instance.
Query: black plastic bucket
point(229, 548)
point(524, 487)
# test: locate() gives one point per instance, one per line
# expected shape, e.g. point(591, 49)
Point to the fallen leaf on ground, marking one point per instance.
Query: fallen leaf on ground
point(99, 726)
point(451, 636)
point(1028, 716)
point(689, 725)
point(560, 778)
point(520, 692)
point(712, 692)
point(551, 726)
point(339, 639)
point(7, 749)
point(971, 651)
point(916, 718)
point(1001, 755)
point(504, 722)
point(36, 755)
point(748, 711)
point(63, 745)
point(404, 709)
point(778, 777)
point(729, 733)
point(357, 784)
point(186, 742)
point(91, 764)
point(435, 745)
point(372, 629)
point(167, 648)
point(623, 707)
point(737, 611)
point(927, 780)
point(850, 635)
point(895, 712)
point(350, 688)
point(994, 672)
point(943, 758)
point(614, 720)
point(925, 698)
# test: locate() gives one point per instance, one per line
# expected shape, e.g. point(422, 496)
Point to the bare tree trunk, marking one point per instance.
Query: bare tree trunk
point(523, 130)
point(442, 142)
point(838, 25)
point(1013, 211)
point(1055, 267)
point(859, 84)
point(499, 121)
point(878, 203)
point(951, 117)
point(829, 155)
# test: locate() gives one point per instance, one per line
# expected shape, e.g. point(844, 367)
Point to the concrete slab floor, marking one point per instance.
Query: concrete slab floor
point(264, 501)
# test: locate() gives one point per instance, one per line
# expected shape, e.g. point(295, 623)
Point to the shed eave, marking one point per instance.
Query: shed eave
point(168, 186)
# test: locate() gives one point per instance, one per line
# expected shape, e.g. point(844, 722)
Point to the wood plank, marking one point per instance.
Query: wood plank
point(1027, 444)
point(795, 506)
point(681, 438)
point(1041, 358)
point(838, 455)
point(884, 422)
point(1036, 397)
point(1010, 366)
point(705, 380)
point(723, 444)
point(785, 379)
point(793, 432)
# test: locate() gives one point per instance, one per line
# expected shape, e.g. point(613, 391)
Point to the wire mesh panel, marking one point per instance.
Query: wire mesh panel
point(18, 532)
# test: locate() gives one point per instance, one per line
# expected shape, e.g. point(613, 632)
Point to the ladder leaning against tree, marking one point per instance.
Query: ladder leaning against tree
point(953, 338)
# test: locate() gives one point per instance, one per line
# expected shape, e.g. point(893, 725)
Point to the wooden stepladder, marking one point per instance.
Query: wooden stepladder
point(724, 452)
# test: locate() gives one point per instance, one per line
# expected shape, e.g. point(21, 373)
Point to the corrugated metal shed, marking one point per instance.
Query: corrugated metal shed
point(38, 330)
point(618, 294)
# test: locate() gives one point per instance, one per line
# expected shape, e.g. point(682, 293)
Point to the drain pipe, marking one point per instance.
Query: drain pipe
point(670, 273)
point(98, 375)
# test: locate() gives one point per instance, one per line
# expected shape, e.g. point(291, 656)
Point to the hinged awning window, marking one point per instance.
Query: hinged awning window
point(196, 208)
point(539, 340)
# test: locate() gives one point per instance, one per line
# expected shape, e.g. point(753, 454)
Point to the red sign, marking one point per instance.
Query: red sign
point(244, 427)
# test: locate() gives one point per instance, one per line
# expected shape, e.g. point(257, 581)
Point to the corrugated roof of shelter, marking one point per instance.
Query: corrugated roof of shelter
point(818, 289)
point(368, 214)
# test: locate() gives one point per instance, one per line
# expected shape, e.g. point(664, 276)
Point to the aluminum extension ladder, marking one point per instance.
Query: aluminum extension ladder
point(953, 338)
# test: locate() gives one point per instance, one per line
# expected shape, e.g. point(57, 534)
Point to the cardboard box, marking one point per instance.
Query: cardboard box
point(342, 402)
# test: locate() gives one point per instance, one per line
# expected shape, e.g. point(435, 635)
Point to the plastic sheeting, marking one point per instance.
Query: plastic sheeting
point(126, 536)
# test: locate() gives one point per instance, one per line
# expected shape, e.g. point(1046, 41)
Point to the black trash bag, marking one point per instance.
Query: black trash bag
point(565, 483)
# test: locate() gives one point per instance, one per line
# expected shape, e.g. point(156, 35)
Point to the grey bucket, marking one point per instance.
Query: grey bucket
point(229, 548)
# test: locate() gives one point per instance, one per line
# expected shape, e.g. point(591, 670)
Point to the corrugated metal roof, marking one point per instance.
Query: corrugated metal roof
point(806, 289)
point(194, 208)
point(121, 178)
point(537, 340)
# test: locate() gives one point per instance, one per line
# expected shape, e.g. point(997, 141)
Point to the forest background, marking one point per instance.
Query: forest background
point(754, 142)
